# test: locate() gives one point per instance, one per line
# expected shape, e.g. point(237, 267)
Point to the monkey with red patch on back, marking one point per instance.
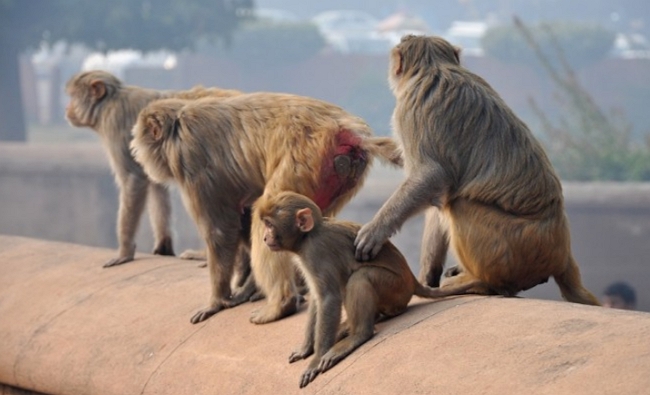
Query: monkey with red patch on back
point(227, 154)
point(380, 288)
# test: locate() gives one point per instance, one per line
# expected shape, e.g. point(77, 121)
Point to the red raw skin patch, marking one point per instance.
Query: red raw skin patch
point(332, 185)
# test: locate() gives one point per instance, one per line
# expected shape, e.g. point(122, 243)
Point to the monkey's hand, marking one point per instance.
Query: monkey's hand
point(369, 241)
point(206, 313)
point(119, 260)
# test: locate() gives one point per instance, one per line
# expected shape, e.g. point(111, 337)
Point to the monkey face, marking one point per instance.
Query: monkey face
point(271, 237)
point(80, 110)
point(87, 91)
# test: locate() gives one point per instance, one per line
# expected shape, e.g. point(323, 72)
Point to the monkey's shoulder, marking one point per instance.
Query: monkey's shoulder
point(342, 227)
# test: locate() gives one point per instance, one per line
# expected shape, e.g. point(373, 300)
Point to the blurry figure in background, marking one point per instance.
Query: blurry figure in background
point(619, 295)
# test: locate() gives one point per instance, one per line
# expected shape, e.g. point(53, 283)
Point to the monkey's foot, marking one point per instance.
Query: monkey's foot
point(164, 247)
point(308, 376)
point(118, 261)
point(243, 294)
point(303, 353)
point(329, 360)
point(270, 313)
point(206, 313)
point(194, 255)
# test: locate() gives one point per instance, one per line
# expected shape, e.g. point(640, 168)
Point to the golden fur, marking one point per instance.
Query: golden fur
point(228, 154)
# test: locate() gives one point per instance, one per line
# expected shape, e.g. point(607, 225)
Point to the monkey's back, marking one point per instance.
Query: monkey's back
point(388, 272)
point(268, 134)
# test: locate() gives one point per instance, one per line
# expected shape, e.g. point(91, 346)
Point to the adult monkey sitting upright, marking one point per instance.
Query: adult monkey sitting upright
point(100, 101)
point(485, 181)
point(226, 154)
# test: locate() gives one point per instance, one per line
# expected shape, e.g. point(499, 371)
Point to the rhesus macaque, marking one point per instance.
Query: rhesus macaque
point(485, 181)
point(100, 101)
point(226, 154)
point(381, 287)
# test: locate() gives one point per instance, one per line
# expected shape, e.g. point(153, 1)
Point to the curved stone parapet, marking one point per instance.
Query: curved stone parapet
point(68, 326)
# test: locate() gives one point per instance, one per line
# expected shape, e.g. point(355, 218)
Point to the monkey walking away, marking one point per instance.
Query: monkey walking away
point(486, 184)
point(226, 154)
point(324, 247)
point(100, 101)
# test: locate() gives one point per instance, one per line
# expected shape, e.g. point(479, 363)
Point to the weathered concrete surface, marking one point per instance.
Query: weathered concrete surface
point(67, 326)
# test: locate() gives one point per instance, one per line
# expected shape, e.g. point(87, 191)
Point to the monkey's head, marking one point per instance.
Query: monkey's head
point(416, 54)
point(154, 134)
point(88, 91)
point(287, 218)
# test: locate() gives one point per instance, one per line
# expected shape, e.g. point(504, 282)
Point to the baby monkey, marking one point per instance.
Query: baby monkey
point(379, 288)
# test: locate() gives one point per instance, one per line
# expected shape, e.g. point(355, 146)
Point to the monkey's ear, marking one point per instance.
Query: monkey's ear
point(397, 62)
point(304, 220)
point(154, 128)
point(97, 89)
point(457, 51)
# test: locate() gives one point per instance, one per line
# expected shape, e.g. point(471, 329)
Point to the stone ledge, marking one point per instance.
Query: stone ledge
point(70, 327)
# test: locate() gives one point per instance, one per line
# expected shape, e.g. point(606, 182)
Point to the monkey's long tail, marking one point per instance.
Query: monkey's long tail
point(432, 293)
point(571, 286)
point(386, 149)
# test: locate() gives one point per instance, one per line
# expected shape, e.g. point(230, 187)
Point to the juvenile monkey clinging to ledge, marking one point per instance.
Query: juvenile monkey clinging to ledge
point(381, 287)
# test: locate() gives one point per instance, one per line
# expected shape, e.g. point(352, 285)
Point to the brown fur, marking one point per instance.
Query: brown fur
point(381, 287)
point(226, 154)
point(100, 101)
point(485, 181)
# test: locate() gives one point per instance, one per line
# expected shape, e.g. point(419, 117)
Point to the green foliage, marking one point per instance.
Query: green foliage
point(581, 43)
point(586, 143)
point(271, 45)
point(139, 24)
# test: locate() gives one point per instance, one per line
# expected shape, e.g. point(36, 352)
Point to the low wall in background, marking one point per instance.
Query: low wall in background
point(66, 193)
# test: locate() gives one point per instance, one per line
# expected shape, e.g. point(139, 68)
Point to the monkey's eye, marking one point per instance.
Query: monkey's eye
point(267, 223)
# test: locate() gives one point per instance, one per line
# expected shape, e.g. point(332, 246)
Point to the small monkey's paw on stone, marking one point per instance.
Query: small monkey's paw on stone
point(308, 376)
point(204, 314)
point(118, 261)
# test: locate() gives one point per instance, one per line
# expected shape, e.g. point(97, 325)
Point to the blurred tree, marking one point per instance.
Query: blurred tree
point(587, 143)
point(583, 43)
point(103, 25)
point(261, 45)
